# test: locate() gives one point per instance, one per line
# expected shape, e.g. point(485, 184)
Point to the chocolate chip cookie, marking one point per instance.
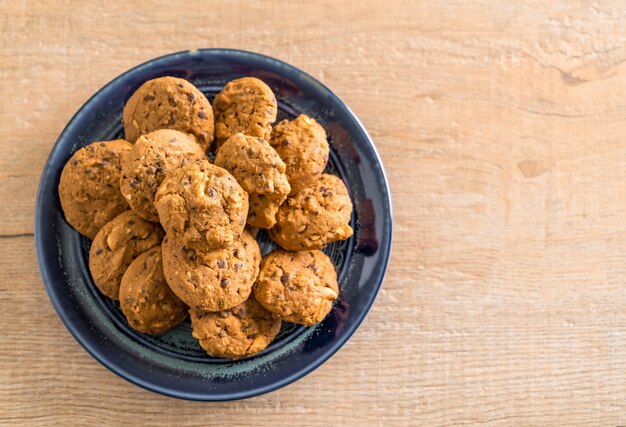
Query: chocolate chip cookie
point(299, 287)
point(245, 105)
point(90, 186)
point(116, 245)
point(302, 145)
point(260, 172)
point(240, 331)
point(315, 216)
point(202, 206)
point(212, 280)
point(169, 103)
point(145, 299)
point(153, 156)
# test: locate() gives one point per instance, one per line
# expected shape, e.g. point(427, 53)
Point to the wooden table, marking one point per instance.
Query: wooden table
point(502, 128)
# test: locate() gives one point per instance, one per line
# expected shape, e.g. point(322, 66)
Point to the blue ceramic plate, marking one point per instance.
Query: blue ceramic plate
point(174, 364)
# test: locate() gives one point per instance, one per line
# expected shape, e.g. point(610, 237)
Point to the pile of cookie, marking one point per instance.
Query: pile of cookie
point(173, 233)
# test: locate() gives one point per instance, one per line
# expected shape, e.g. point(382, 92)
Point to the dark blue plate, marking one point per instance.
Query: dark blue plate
point(173, 364)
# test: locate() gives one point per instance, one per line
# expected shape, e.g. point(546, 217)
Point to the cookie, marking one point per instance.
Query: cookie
point(212, 280)
point(116, 245)
point(315, 216)
point(245, 105)
point(302, 145)
point(260, 172)
point(153, 156)
point(169, 103)
point(145, 299)
point(90, 186)
point(240, 331)
point(298, 287)
point(201, 205)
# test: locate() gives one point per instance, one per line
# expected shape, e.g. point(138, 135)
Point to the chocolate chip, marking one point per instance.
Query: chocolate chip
point(190, 97)
point(285, 143)
point(172, 101)
point(327, 194)
point(98, 251)
point(180, 85)
point(203, 137)
point(102, 144)
point(131, 222)
point(221, 263)
point(190, 253)
point(236, 252)
point(148, 98)
point(173, 141)
point(284, 278)
point(211, 192)
point(159, 169)
point(172, 119)
point(186, 183)
point(202, 115)
point(150, 170)
point(224, 283)
point(221, 333)
point(250, 152)
point(75, 162)
point(104, 162)
point(134, 183)
point(251, 336)
point(128, 300)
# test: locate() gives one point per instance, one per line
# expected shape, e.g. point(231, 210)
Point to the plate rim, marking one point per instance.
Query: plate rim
point(178, 393)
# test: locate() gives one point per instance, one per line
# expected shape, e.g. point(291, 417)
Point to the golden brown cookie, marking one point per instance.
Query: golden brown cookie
point(212, 280)
point(202, 205)
point(260, 172)
point(245, 105)
point(169, 103)
point(315, 216)
point(146, 300)
point(90, 186)
point(302, 145)
point(240, 331)
point(116, 245)
point(153, 156)
point(299, 287)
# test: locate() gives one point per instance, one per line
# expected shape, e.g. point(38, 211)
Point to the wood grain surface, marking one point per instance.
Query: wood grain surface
point(502, 128)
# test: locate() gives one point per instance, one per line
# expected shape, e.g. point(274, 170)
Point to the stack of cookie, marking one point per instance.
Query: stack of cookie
point(173, 233)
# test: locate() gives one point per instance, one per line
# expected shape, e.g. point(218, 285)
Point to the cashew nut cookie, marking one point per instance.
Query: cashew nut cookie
point(240, 331)
point(153, 156)
point(169, 103)
point(315, 216)
point(245, 105)
point(212, 280)
point(89, 188)
point(202, 206)
point(302, 145)
point(146, 300)
point(298, 287)
point(116, 245)
point(260, 172)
